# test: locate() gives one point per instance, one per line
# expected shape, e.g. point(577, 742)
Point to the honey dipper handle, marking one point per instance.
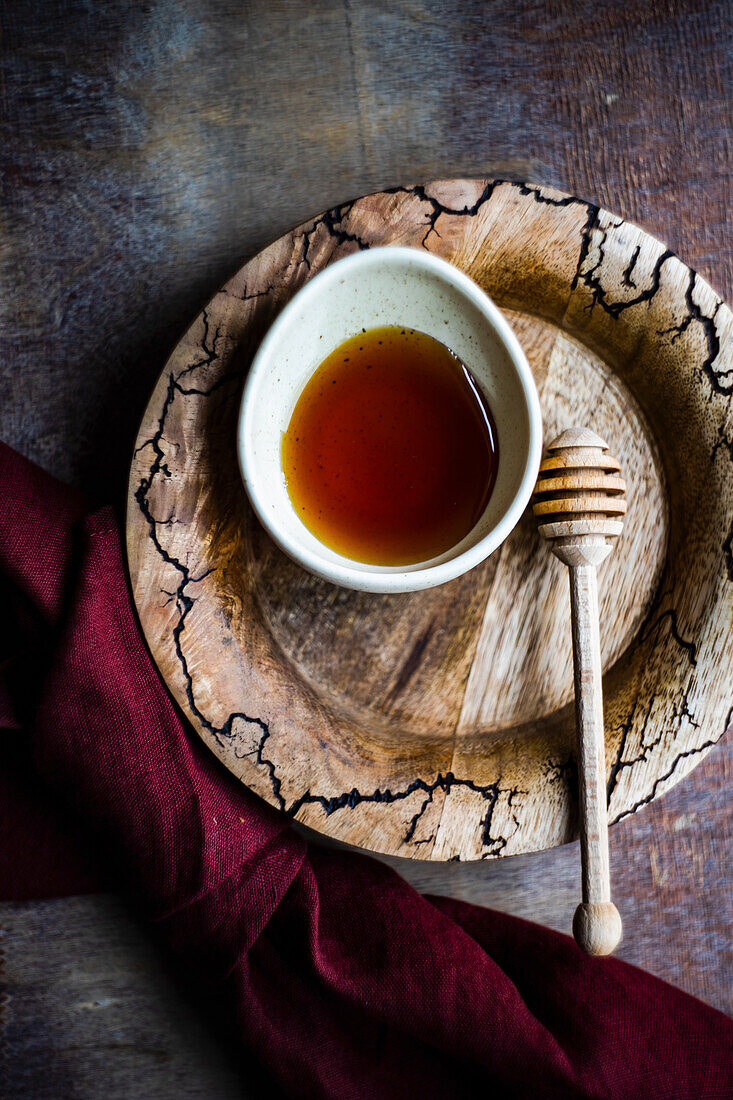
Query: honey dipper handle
point(597, 924)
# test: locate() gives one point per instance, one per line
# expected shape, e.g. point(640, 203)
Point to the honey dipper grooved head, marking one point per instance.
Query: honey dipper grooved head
point(579, 498)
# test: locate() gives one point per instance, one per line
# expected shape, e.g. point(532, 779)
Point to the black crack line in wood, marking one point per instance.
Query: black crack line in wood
point(715, 378)
point(723, 443)
point(728, 552)
point(592, 280)
point(210, 351)
point(491, 792)
point(728, 726)
point(500, 843)
point(626, 278)
point(548, 200)
point(712, 339)
point(648, 628)
point(184, 601)
point(663, 778)
point(720, 381)
point(564, 771)
point(438, 209)
point(332, 221)
point(617, 765)
point(250, 296)
point(645, 746)
point(680, 713)
point(586, 236)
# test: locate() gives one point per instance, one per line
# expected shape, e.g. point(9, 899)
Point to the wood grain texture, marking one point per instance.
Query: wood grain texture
point(358, 716)
point(93, 1008)
point(573, 500)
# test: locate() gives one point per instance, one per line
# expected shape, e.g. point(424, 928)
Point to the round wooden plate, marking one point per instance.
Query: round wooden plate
point(439, 725)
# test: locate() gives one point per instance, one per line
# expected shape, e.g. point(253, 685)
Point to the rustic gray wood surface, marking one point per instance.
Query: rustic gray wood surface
point(92, 1011)
point(147, 151)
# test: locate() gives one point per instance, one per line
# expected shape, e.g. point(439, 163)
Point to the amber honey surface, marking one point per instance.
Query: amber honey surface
point(390, 456)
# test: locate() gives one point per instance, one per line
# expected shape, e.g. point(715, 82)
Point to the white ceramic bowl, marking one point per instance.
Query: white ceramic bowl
point(388, 286)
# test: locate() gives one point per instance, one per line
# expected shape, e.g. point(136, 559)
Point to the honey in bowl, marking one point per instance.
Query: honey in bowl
point(390, 456)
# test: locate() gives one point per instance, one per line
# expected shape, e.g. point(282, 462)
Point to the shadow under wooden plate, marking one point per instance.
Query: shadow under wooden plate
point(439, 724)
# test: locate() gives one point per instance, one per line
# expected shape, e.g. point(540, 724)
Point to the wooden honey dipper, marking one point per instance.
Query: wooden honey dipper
point(579, 505)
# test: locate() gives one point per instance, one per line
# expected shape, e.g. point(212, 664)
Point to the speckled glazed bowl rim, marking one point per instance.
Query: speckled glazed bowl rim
point(259, 392)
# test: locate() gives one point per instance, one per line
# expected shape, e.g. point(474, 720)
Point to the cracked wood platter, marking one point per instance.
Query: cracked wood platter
point(439, 725)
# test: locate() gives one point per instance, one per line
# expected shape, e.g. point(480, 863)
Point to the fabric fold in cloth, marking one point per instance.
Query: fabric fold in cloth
point(340, 979)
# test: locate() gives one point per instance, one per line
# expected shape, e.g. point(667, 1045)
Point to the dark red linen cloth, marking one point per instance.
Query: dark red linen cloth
point(339, 977)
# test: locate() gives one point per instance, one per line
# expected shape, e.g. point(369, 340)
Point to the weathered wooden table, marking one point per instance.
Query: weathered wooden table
point(147, 151)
